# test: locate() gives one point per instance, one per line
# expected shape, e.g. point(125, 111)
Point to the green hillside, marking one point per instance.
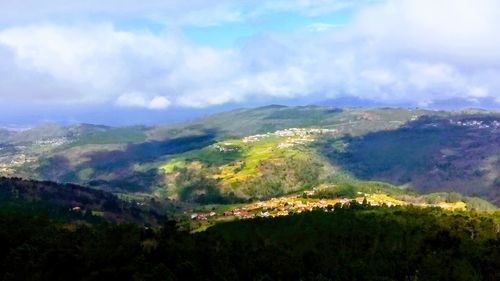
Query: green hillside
point(459, 154)
point(244, 122)
point(256, 167)
point(240, 155)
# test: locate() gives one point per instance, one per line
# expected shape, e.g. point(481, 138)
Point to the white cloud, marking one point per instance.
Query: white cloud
point(435, 49)
point(411, 51)
point(142, 100)
point(321, 27)
point(159, 102)
point(99, 62)
point(462, 30)
point(478, 92)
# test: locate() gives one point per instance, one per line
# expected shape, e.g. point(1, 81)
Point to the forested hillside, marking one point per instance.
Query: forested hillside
point(259, 153)
point(460, 153)
point(71, 203)
point(355, 243)
point(356, 194)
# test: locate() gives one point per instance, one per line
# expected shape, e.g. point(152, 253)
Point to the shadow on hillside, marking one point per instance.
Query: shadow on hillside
point(429, 153)
point(115, 168)
point(149, 151)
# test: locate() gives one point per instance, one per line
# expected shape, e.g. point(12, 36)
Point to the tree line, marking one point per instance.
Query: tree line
point(355, 243)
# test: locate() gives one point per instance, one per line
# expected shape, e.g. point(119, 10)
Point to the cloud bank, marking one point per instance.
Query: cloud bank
point(406, 51)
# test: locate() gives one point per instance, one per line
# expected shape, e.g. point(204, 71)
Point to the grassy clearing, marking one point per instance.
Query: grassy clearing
point(253, 154)
point(209, 156)
point(172, 164)
point(234, 164)
point(239, 162)
point(85, 174)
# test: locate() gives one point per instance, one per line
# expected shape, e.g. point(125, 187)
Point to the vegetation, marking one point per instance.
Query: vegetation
point(71, 203)
point(429, 154)
point(357, 243)
point(240, 171)
point(272, 193)
point(342, 185)
point(114, 168)
point(196, 186)
point(245, 122)
point(425, 151)
point(113, 136)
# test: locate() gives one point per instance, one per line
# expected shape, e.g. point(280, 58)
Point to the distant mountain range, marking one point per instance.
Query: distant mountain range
point(259, 153)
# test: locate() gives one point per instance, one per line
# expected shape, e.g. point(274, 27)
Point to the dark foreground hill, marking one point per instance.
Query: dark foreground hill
point(69, 202)
point(355, 243)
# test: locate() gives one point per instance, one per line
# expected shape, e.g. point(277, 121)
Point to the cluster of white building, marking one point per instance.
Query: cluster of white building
point(294, 135)
point(202, 215)
point(16, 160)
point(53, 142)
point(225, 147)
point(479, 124)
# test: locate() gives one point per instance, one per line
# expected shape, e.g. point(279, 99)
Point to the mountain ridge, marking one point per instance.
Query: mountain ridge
point(130, 158)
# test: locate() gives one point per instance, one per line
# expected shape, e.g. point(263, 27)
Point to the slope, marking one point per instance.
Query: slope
point(460, 153)
point(70, 202)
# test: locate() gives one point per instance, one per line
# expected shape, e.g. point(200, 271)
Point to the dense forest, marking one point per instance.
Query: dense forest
point(71, 202)
point(355, 243)
point(431, 154)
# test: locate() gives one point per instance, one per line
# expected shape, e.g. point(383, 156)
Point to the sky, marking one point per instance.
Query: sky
point(128, 62)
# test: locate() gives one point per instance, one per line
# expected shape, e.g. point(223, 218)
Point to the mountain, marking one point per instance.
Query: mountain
point(258, 153)
point(70, 202)
point(78, 134)
point(244, 122)
point(459, 153)
point(307, 193)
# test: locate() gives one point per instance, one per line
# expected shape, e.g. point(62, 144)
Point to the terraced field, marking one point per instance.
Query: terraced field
point(234, 162)
point(261, 153)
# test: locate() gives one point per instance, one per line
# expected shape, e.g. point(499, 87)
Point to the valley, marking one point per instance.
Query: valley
point(332, 140)
point(253, 155)
point(288, 190)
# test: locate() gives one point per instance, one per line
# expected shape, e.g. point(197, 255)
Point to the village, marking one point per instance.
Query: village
point(53, 142)
point(294, 204)
point(294, 136)
point(19, 155)
point(301, 133)
point(479, 124)
point(306, 202)
point(225, 147)
point(9, 163)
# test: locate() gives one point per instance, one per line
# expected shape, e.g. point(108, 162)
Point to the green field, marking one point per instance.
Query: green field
point(249, 169)
point(206, 160)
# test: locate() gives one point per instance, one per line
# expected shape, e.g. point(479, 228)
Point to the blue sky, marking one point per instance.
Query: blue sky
point(63, 60)
point(231, 34)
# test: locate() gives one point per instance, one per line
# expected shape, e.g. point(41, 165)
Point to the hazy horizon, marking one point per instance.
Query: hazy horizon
point(138, 118)
point(156, 61)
